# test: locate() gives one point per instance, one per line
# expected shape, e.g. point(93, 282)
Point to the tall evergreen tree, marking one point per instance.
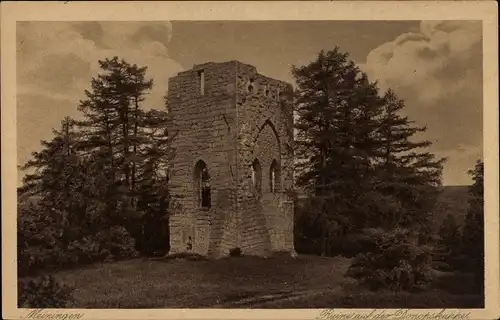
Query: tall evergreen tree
point(131, 145)
point(64, 184)
point(112, 132)
point(406, 168)
point(473, 232)
point(106, 171)
point(336, 107)
point(152, 185)
point(48, 166)
point(356, 153)
point(56, 173)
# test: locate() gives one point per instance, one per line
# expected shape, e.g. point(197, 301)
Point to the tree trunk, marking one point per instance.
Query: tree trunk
point(136, 127)
point(328, 248)
point(323, 206)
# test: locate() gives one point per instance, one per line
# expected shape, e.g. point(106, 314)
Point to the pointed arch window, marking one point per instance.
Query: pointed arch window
point(274, 176)
point(202, 185)
point(257, 176)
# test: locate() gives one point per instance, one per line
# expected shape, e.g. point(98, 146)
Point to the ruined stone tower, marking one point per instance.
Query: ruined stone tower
point(233, 161)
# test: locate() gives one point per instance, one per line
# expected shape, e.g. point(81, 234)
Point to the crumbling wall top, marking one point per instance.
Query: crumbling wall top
point(243, 68)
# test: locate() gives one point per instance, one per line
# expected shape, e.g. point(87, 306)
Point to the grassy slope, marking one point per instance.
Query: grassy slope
point(181, 284)
point(317, 282)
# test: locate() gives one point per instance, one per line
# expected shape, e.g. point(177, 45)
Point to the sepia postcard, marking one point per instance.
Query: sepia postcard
point(250, 160)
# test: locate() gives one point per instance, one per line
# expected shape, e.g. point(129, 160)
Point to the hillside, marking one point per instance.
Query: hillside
point(248, 282)
point(453, 200)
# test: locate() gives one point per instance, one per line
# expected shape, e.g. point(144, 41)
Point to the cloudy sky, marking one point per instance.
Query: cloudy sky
point(436, 67)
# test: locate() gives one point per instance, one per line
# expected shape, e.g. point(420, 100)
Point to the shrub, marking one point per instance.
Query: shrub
point(235, 252)
point(397, 262)
point(43, 292)
point(44, 243)
point(116, 244)
point(38, 238)
point(351, 245)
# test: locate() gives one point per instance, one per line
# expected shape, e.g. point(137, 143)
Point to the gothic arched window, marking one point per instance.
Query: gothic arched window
point(257, 176)
point(274, 176)
point(202, 185)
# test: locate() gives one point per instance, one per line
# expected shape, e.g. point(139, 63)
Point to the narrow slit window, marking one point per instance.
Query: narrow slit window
point(274, 177)
point(206, 201)
point(273, 180)
point(203, 189)
point(201, 78)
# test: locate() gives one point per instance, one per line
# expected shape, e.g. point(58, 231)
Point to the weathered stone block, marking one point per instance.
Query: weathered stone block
point(235, 123)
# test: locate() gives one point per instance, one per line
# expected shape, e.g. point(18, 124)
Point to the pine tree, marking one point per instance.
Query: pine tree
point(57, 177)
point(406, 168)
point(156, 155)
point(131, 145)
point(336, 106)
point(104, 172)
point(473, 232)
point(49, 164)
point(356, 153)
point(111, 132)
point(152, 183)
point(64, 184)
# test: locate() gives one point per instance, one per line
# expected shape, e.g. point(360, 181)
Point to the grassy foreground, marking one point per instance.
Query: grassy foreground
point(244, 282)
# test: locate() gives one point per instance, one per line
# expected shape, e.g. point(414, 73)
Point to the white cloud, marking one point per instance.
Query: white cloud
point(56, 61)
point(440, 61)
point(414, 59)
point(60, 58)
point(438, 73)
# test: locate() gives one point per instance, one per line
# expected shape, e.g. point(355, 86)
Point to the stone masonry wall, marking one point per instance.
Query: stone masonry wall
point(204, 129)
point(265, 119)
point(240, 116)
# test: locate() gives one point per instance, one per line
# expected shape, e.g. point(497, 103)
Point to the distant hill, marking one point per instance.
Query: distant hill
point(453, 200)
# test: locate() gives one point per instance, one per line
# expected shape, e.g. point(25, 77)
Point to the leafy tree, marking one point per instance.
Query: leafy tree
point(395, 261)
point(38, 232)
